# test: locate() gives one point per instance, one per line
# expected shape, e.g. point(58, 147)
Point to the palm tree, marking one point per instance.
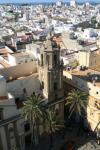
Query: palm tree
point(32, 111)
point(77, 102)
point(16, 148)
point(52, 124)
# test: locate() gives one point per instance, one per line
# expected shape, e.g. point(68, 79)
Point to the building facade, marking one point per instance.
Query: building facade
point(89, 56)
point(51, 73)
point(15, 131)
point(73, 3)
point(75, 79)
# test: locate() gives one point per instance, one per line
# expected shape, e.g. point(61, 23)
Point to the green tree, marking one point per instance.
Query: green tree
point(77, 102)
point(33, 111)
point(53, 123)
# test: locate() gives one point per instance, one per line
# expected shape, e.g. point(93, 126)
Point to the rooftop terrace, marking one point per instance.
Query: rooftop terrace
point(5, 50)
point(88, 75)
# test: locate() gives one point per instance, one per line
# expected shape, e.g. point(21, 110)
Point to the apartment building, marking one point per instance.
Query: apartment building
point(89, 82)
point(89, 56)
point(15, 87)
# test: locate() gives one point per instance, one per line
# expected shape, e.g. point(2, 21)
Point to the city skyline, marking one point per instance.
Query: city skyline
point(49, 74)
point(43, 1)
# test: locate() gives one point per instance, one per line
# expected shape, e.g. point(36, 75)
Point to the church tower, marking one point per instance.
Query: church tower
point(51, 71)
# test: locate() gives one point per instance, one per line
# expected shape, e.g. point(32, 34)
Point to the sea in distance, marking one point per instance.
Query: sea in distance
point(45, 3)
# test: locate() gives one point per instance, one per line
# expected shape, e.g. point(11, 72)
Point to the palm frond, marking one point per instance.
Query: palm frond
point(77, 101)
point(53, 122)
point(32, 109)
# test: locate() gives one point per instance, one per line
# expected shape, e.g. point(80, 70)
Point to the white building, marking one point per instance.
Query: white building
point(90, 33)
point(73, 3)
point(14, 130)
point(8, 117)
point(20, 58)
point(69, 58)
point(83, 80)
point(58, 3)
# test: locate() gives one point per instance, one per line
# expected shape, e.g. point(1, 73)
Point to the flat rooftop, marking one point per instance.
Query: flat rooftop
point(21, 54)
point(74, 44)
point(88, 75)
point(97, 68)
point(23, 77)
point(5, 50)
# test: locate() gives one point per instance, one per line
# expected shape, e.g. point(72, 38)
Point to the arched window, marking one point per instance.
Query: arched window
point(55, 59)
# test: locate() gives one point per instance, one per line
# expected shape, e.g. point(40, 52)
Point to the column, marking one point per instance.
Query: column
point(1, 146)
point(16, 135)
point(7, 137)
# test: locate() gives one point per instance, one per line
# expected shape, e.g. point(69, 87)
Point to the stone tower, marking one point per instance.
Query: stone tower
point(51, 71)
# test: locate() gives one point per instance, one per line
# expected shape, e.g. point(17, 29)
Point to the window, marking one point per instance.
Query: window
point(26, 127)
point(48, 60)
point(55, 60)
point(18, 103)
point(42, 85)
point(11, 127)
point(1, 114)
point(55, 86)
point(56, 97)
point(17, 100)
point(57, 109)
point(41, 59)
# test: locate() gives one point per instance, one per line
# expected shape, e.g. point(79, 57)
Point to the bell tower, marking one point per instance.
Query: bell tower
point(51, 71)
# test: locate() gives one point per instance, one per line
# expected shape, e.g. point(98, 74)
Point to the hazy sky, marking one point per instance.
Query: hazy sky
point(23, 1)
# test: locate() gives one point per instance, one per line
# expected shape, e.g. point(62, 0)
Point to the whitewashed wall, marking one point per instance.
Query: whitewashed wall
point(31, 83)
point(19, 70)
point(3, 138)
point(3, 86)
point(9, 107)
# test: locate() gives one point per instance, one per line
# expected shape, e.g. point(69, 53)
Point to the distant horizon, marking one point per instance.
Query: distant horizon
point(45, 1)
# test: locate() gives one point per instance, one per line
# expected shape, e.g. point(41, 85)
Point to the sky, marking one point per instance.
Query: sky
point(26, 1)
